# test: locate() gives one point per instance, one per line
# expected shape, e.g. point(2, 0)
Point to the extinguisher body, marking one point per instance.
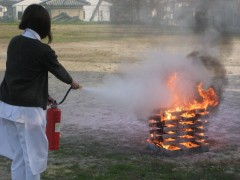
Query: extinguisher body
point(53, 128)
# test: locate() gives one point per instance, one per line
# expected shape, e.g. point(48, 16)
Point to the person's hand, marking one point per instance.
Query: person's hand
point(50, 100)
point(75, 85)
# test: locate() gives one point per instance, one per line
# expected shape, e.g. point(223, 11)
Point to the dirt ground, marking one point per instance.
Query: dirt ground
point(82, 113)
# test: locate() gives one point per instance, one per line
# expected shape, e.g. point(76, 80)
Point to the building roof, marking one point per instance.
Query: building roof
point(95, 2)
point(8, 3)
point(65, 3)
point(27, 2)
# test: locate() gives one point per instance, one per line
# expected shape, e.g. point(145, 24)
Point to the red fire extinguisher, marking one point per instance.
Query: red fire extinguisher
point(53, 124)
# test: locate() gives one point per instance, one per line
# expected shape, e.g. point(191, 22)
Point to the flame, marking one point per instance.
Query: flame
point(201, 134)
point(201, 141)
point(189, 144)
point(186, 112)
point(171, 83)
point(208, 97)
point(171, 147)
point(186, 137)
point(160, 144)
point(169, 125)
point(186, 123)
point(188, 115)
point(187, 130)
point(168, 116)
point(169, 139)
point(171, 132)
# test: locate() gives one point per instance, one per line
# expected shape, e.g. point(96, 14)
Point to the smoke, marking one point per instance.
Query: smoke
point(143, 87)
point(208, 21)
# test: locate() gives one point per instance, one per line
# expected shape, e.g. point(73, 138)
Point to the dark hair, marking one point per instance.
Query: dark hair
point(37, 18)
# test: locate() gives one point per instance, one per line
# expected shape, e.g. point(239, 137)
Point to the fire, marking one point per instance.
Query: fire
point(171, 147)
point(187, 130)
point(168, 116)
point(186, 123)
point(201, 134)
point(160, 144)
point(170, 132)
point(201, 141)
point(170, 125)
point(189, 145)
point(208, 97)
point(188, 114)
point(186, 137)
point(182, 126)
point(169, 139)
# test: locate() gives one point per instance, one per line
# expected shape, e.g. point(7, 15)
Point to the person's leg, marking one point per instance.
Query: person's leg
point(28, 171)
point(5, 148)
point(36, 140)
point(18, 164)
point(20, 169)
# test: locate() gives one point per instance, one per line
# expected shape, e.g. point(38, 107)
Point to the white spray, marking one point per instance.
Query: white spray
point(142, 87)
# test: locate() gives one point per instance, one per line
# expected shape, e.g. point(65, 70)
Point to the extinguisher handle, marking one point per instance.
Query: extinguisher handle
point(65, 95)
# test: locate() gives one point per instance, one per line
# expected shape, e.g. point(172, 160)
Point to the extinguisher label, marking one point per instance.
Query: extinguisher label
point(57, 127)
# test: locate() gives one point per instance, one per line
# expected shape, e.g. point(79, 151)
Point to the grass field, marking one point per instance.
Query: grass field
point(92, 32)
point(111, 152)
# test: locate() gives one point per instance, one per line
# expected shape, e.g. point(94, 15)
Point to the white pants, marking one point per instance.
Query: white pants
point(20, 169)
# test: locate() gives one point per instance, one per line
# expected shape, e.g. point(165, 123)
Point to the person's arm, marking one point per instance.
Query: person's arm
point(53, 66)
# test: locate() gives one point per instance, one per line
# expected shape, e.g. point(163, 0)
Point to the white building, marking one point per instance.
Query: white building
point(99, 10)
point(2, 11)
point(19, 7)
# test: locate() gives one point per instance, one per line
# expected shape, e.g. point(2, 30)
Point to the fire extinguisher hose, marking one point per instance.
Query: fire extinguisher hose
point(65, 95)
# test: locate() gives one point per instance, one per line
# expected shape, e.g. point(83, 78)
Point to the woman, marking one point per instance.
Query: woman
point(24, 95)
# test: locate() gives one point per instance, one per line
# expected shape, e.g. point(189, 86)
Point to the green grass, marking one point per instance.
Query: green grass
point(96, 160)
point(135, 167)
point(82, 31)
point(90, 32)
